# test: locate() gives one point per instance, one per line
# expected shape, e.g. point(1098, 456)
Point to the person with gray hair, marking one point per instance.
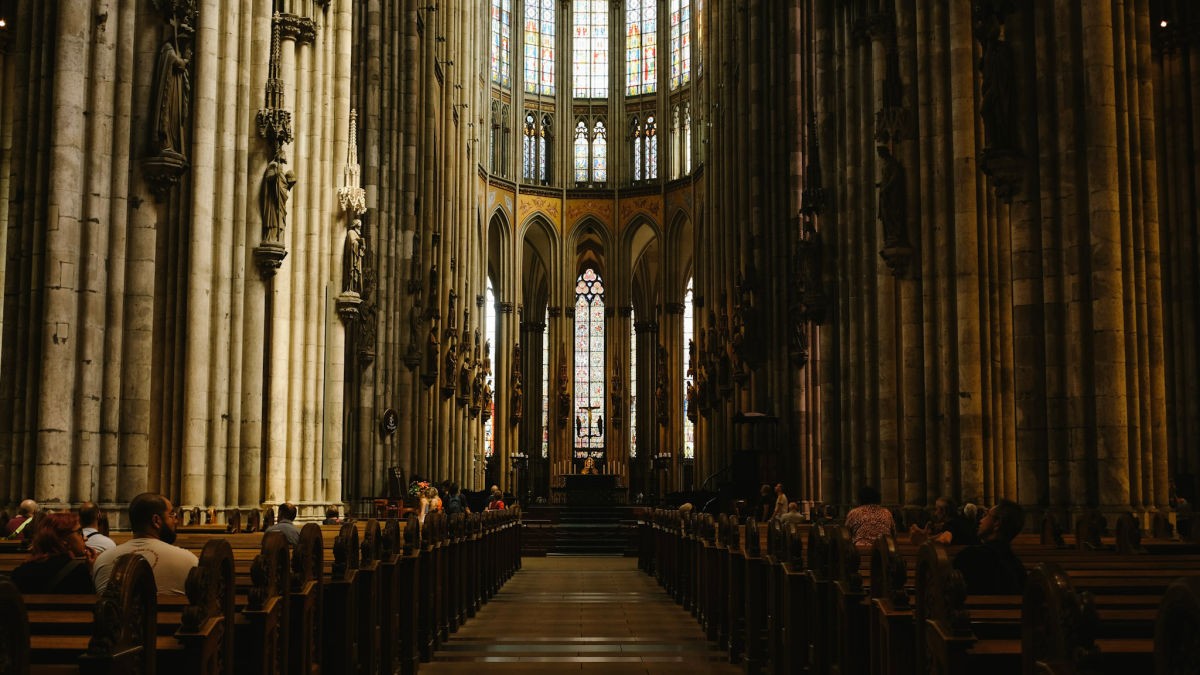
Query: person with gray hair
point(20, 525)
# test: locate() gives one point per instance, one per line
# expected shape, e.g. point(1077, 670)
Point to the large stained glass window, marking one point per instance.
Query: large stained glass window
point(633, 390)
point(590, 49)
point(489, 328)
point(681, 43)
point(539, 47)
point(591, 151)
point(589, 362)
point(641, 47)
point(502, 43)
point(689, 428)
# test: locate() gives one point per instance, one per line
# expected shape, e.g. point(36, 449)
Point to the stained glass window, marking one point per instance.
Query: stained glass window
point(689, 429)
point(599, 153)
point(489, 327)
point(502, 43)
point(581, 153)
point(651, 148)
point(539, 47)
point(641, 47)
point(635, 131)
point(681, 38)
point(699, 37)
point(535, 147)
point(590, 49)
point(546, 384)
point(633, 391)
point(529, 143)
point(589, 361)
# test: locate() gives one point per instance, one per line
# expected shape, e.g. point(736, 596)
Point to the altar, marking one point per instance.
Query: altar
point(591, 490)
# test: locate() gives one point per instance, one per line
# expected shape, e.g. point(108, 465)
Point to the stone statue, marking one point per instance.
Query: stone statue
point(998, 88)
point(893, 200)
point(451, 366)
point(589, 467)
point(431, 349)
point(277, 185)
point(578, 426)
point(356, 249)
point(477, 389)
point(174, 93)
point(487, 395)
point(450, 307)
point(600, 425)
point(517, 402)
point(516, 358)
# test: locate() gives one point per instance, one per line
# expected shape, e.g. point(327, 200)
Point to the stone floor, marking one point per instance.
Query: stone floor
point(580, 614)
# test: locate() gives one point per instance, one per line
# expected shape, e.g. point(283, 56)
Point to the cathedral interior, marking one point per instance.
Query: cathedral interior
point(266, 251)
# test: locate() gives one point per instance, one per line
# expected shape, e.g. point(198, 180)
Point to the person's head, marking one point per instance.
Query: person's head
point(765, 490)
point(331, 513)
point(869, 495)
point(779, 488)
point(432, 492)
point(287, 511)
point(89, 514)
point(943, 509)
point(971, 512)
point(57, 534)
point(1003, 521)
point(793, 507)
point(454, 489)
point(153, 516)
point(27, 507)
point(494, 489)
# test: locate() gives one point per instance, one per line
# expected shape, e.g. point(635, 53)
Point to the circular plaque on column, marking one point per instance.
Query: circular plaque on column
point(389, 422)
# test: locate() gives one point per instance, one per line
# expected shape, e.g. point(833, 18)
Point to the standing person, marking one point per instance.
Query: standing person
point(869, 521)
point(496, 503)
point(153, 519)
point(781, 502)
point(286, 524)
point(59, 562)
point(991, 567)
point(89, 517)
point(766, 503)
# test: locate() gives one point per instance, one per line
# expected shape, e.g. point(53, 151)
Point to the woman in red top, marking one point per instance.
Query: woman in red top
point(59, 560)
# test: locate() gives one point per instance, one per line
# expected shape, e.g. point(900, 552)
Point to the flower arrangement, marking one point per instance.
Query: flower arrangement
point(415, 488)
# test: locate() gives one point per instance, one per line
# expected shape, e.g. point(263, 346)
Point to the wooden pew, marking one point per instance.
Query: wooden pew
point(339, 621)
point(306, 586)
point(262, 640)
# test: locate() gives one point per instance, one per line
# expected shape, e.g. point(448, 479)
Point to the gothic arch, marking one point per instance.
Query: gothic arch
point(679, 267)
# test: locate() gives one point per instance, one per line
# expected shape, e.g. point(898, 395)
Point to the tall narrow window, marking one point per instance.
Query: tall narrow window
point(546, 384)
point(599, 153)
point(687, 138)
point(635, 131)
point(539, 47)
point(589, 362)
point(689, 428)
point(495, 136)
point(489, 327)
point(590, 49)
point(502, 43)
point(676, 158)
point(681, 43)
point(641, 47)
point(699, 38)
point(529, 154)
point(633, 390)
point(651, 148)
point(581, 152)
point(535, 146)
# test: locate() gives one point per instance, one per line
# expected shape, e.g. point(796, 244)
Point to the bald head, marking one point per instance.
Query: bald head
point(89, 514)
point(27, 507)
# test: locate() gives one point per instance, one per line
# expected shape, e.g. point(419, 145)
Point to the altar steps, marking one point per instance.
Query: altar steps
point(591, 530)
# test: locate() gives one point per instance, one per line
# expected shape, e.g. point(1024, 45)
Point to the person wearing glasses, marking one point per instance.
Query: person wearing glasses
point(59, 562)
point(153, 519)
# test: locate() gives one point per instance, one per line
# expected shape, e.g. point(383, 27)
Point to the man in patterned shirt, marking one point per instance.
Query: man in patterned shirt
point(869, 521)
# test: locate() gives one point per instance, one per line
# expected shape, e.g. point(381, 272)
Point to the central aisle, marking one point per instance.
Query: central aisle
point(580, 614)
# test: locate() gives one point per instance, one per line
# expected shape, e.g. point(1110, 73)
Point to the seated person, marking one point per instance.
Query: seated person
point(496, 503)
point(21, 525)
point(286, 525)
point(869, 521)
point(89, 517)
point(991, 568)
point(153, 519)
point(793, 515)
point(589, 467)
point(331, 516)
point(59, 562)
point(947, 527)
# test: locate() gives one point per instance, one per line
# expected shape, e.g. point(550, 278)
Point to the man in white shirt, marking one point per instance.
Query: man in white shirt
point(152, 518)
point(89, 516)
point(287, 525)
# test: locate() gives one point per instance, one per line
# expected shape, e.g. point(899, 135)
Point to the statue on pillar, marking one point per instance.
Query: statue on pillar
point(174, 95)
point(893, 200)
point(998, 90)
point(277, 185)
point(356, 249)
point(517, 404)
point(431, 349)
point(450, 308)
point(451, 367)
